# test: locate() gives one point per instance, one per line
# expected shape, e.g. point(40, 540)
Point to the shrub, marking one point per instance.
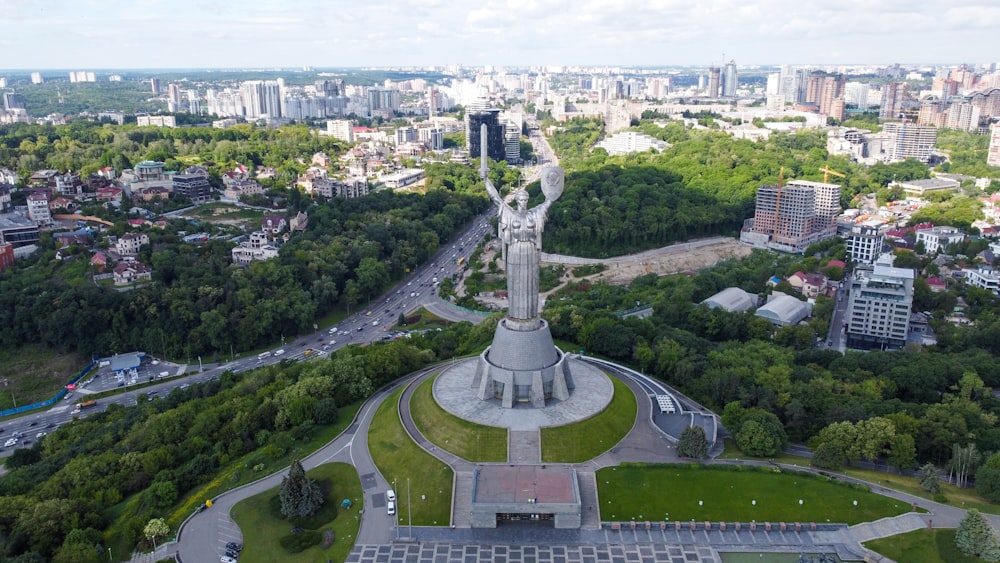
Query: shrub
point(295, 543)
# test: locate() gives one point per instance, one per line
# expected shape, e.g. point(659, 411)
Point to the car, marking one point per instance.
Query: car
point(40, 434)
point(227, 559)
point(10, 442)
point(233, 554)
point(33, 423)
point(333, 330)
point(390, 508)
point(67, 396)
point(234, 546)
point(390, 495)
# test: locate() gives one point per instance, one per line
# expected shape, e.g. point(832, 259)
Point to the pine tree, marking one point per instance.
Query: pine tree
point(975, 537)
point(299, 495)
point(929, 480)
point(693, 443)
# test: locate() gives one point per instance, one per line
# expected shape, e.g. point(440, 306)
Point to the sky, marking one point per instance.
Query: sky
point(104, 34)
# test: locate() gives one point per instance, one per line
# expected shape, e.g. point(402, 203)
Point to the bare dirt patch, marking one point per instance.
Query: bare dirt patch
point(33, 373)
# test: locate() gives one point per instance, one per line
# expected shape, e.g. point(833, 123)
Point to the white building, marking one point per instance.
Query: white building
point(340, 129)
point(878, 307)
point(938, 238)
point(38, 209)
point(129, 243)
point(864, 244)
point(984, 278)
point(732, 299)
point(631, 141)
point(257, 248)
point(784, 310)
point(993, 154)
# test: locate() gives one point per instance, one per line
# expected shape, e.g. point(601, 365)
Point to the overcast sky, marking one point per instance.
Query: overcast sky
point(96, 34)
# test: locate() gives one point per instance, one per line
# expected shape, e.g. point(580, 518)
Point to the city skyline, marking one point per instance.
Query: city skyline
point(261, 33)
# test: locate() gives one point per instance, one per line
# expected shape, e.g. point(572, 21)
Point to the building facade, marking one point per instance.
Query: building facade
point(193, 186)
point(864, 244)
point(789, 218)
point(993, 153)
point(495, 133)
point(878, 307)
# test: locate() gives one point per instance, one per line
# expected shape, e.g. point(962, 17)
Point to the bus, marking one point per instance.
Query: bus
point(460, 260)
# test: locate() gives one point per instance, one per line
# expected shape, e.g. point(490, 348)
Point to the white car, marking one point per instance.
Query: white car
point(390, 495)
point(10, 442)
point(391, 508)
point(280, 352)
point(333, 330)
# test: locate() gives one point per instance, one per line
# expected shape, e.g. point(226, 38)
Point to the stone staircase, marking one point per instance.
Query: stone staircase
point(591, 514)
point(886, 527)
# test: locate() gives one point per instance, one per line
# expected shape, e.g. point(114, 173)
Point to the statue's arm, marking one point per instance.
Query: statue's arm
point(494, 194)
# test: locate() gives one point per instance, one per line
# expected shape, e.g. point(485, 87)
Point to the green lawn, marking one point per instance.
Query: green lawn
point(590, 438)
point(467, 440)
point(922, 546)
point(962, 498)
point(262, 528)
point(399, 459)
point(672, 492)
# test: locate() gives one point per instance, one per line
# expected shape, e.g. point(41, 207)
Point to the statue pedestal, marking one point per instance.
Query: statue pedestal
point(522, 366)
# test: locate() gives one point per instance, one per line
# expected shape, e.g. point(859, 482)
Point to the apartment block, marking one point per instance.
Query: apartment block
point(864, 244)
point(984, 278)
point(878, 307)
point(938, 238)
point(789, 218)
point(993, 153)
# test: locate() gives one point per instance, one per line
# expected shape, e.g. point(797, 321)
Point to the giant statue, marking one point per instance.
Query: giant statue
point(523, 365)
point(520, 231)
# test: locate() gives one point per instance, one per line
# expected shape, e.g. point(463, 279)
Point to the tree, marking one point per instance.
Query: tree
point(975, 537)
point(928, 478)
point(155, 528)
point(964, 462)
point(988, 479)
point(902, 452)
point(300, 495)
point(693, 443)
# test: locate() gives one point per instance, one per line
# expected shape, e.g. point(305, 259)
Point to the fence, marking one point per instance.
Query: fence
point(49, 402)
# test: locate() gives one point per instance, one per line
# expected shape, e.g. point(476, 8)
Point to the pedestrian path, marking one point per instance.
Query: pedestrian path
point(886, 527)
point(524, 447)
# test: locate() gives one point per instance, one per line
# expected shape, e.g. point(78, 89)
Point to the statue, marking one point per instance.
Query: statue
point(520, 233)
point(523, 365)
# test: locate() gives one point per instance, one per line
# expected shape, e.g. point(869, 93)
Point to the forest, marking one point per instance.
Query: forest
point(97, 481)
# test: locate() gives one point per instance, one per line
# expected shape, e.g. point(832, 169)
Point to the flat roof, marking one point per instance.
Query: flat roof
point(524, 483)
point(125, 361)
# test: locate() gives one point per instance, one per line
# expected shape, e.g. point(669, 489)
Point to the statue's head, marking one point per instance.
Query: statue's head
point(521, 197)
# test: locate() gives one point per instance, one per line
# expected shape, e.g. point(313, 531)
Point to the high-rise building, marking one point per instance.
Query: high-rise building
point(962, 115)
point(12, 101)
point(154, 85)
point(856, 94)
point(791, 217)
point(908, 140)
point(993, 153)
point(730, 80)
point(495, 134)
point(892, 100)
point(194, 103)
point(340, 129)
point(36, 78)
point(383, 101)
point(261, 98)
point(878, 307)
point(714, 81)
point(174, 99)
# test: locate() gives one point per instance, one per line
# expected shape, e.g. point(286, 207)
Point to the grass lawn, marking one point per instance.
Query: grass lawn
point(961, 498)
point(32, 373)
point(672, 492)
point(590, 438)
point(262, 528)
point(467, 440)
point(399, 459)
point(922, 546)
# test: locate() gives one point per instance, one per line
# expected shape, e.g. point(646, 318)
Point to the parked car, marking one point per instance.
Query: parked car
point(391, 508)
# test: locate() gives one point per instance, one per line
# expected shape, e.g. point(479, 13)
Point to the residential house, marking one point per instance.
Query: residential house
point(110, 193)
point(938, 238)
point(41, 178)
point(262, 172)
point(257, 248)
point(5, 191)
point(984, 278)
point(107, 172)
point(129, 243)
point(8, 176)
point(131, 272)
point(273, 224)
point(62, 203)
point(797, 280)
point(936, 284)
point(299, 222)
point(153, 192)
point(81, 236)
point(67, 184)
point(193, 186)
point(813, 285)
point(236, 189)
point(321, 159)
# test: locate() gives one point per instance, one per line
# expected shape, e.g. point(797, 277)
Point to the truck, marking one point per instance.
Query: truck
point(85, 405)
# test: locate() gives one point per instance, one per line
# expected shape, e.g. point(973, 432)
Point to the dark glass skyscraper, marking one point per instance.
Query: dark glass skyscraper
point(495, 134)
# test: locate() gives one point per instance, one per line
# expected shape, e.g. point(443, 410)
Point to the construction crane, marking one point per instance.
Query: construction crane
point(826, 174)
